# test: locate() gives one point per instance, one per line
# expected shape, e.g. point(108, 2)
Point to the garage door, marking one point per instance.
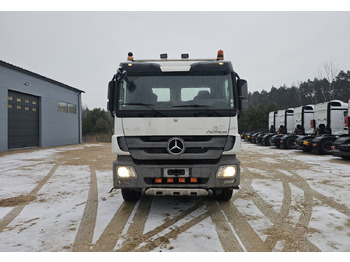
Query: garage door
point(23, 120)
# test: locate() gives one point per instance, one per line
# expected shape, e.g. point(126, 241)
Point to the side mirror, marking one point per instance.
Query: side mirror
point(111, 96)
point(242, 88)
point(242, 94)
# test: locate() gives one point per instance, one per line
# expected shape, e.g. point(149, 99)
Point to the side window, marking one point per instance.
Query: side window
point(66, 107)
point(72, 108)
point(62, 107)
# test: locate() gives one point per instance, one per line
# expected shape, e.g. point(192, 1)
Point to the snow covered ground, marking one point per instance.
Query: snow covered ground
point(58, 199)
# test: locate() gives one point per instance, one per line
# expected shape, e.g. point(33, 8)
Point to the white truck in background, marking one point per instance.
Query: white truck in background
point(302, 117)
point(265, 140)
point(176, 130)
point(341, 146)
point(329, 125)
point(284, 125)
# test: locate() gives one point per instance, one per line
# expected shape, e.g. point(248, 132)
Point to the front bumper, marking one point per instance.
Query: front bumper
point(204, 172)
point(341, 153)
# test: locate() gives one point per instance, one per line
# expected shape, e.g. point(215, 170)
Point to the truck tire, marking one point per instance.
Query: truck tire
point(325, 147)
point(223, 194)
point(130, 195)
point(289, 143)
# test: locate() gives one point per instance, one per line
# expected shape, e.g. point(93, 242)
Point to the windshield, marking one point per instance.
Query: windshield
point(176, 94)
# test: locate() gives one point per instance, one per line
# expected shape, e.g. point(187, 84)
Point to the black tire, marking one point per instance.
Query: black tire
point(289, 143)
point(223, 194)
point(325, 147)
point(130, 195)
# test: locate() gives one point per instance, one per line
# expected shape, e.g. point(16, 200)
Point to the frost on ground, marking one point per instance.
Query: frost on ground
point(58, 199)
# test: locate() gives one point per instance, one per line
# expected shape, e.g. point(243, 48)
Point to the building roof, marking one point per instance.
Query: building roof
point(19, 69)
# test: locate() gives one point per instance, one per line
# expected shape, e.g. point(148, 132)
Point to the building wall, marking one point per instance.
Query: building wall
point(56, 128)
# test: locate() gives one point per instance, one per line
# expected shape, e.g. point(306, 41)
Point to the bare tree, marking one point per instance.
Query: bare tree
point(331, 71)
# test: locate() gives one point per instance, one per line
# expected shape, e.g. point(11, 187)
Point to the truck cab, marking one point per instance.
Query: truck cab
point(176, 130)
point(302, 117)
point(285, 125)
point(265, 141)
point(329, 125)
point(341, 146)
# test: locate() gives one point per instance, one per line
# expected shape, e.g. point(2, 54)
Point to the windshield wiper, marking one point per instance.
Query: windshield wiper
point(200, 106)
point(150, 106)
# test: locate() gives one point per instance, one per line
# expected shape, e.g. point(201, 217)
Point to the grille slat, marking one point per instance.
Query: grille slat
point(153, 147)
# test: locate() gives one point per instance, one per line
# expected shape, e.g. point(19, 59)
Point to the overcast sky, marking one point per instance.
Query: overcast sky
point(84, 49)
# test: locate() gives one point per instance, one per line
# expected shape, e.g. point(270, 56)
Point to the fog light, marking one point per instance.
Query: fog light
point(126, 172)
point(226, 172)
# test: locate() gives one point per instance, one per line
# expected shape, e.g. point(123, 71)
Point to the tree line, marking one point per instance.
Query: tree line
point(96, 122)
point(320, 89)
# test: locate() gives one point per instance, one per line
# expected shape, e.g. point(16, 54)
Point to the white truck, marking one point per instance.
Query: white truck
point(329, 125)
point(302, 125)
point(265, 140)
point(284, 125)
point(176, 130)
point(341, 146)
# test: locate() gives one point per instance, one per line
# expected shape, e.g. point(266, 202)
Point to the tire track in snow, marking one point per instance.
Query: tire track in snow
point(113, 231)
point(270, 241)
point(281, 231)
point(147, 236)
point(226, 236)
point(86, 228)
point(9, 217)
point(135, 230)
point(247, 235)
point(305, 216)
point(152, 244)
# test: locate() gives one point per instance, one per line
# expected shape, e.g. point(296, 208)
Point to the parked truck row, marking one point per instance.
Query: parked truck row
point(321, 128)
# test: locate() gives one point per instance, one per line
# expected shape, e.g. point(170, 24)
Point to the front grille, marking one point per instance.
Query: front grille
point(192, 150)
point(166, 138)
point(196, 147)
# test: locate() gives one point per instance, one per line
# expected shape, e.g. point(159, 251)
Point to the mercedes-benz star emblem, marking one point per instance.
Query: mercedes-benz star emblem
point(176, 146)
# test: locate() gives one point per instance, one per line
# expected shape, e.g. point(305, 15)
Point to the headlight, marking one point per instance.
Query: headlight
point(226, 172)
point(126, 172)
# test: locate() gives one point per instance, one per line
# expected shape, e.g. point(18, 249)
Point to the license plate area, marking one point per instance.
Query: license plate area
point(176, 172)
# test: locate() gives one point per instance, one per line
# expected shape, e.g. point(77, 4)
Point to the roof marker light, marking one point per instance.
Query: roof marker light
point(130, 56)
point(220, 55)
point(163, 56)
point(185, 56)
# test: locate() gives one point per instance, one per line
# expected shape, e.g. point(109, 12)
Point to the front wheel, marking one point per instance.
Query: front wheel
point(130, 195)
point(223, 194)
